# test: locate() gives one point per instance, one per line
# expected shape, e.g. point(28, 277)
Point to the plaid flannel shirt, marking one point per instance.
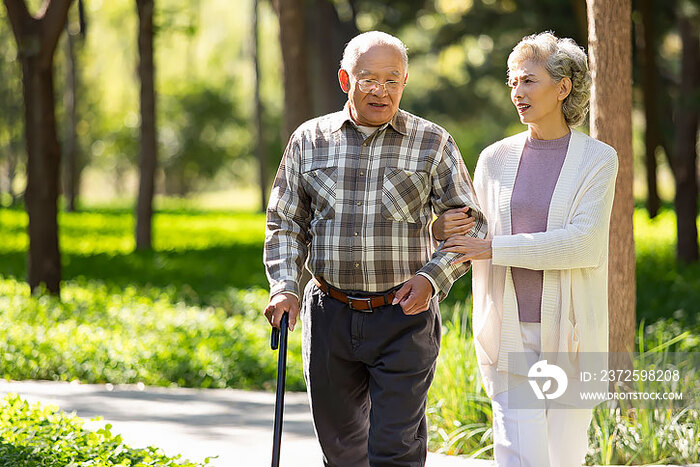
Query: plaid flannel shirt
point(359, 209)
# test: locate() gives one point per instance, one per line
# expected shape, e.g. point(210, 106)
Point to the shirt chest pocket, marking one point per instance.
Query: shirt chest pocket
point(405, 195)
point(320, 184)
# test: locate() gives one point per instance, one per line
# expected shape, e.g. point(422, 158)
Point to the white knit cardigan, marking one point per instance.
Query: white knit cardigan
point(572, 252)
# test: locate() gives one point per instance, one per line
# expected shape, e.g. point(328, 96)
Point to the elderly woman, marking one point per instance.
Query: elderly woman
point(539, 279)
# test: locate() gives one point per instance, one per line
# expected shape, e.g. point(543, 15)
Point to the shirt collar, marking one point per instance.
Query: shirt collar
point(397, 122)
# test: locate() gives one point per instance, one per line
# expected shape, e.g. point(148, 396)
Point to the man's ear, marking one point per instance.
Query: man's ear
point(344, 80)
point(565, 86)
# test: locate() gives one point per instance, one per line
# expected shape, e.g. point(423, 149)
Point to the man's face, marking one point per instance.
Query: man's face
point(381, 63)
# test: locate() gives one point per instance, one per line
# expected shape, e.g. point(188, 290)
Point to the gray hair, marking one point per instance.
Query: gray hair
point(365, 41)
point(561, 57)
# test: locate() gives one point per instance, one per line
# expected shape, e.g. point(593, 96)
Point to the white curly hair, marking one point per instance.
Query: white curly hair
point(561, 57)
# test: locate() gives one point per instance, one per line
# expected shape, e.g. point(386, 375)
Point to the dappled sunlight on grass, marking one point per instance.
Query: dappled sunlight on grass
point(202, 254)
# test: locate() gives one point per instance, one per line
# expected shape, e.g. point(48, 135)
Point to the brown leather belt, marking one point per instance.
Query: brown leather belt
point(367, 303)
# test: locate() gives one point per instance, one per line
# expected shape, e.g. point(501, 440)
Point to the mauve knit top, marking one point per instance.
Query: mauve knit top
point(538, 172)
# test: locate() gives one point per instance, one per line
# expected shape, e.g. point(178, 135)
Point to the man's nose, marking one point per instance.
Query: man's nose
point(379, 90)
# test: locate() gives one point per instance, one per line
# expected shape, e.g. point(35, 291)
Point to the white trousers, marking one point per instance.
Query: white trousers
point(538, 437)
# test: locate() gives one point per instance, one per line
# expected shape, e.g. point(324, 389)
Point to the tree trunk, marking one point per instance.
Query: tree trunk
point(259, 141)
point(652, 139)
point(36, 44)
point(148, 156)
point(297, 95)
point(71, 137)
point(685, 166)
point(41, 196)
point(328, 38)
point(609, 37)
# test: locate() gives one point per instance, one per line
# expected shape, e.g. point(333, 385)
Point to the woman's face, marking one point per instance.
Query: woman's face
point(535, 95)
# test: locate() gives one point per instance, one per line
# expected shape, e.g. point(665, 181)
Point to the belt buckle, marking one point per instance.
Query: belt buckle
point(360, 299)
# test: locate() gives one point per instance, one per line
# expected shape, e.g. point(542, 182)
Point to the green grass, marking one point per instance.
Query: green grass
point(33, 436)
point(189, 314)
point(199, 257)
point(665, 289)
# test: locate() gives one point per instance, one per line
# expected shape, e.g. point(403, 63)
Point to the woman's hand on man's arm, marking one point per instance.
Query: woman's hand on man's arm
point(468, 247)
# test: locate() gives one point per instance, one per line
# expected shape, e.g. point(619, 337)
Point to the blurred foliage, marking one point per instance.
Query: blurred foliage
point(458, 51)
point(180, 314)
point(203, 80)
point(11, 112)
point(665, 288)
point(36, 435)
point(202, 129)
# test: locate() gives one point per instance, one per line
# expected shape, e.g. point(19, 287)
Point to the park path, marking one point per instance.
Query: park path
point(234, 425)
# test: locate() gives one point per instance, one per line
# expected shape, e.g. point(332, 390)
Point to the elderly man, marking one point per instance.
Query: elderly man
point(353, 198)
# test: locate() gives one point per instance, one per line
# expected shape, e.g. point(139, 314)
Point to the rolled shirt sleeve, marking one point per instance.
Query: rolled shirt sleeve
point(452, 188)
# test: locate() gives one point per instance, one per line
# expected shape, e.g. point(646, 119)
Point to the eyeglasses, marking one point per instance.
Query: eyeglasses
point(370, 85)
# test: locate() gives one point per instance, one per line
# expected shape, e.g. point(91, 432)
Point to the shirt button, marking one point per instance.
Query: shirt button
point(359, 203)
point(362, 173)
point(356, 234)
point(357, 265)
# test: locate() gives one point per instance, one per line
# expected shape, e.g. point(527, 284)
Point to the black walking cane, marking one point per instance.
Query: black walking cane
point(276, 341)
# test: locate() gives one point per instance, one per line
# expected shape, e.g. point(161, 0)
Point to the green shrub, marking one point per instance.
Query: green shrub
point(43, 436)
point(101, 334)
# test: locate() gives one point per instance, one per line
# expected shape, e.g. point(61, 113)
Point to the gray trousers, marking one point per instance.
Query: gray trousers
point(367, 375)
